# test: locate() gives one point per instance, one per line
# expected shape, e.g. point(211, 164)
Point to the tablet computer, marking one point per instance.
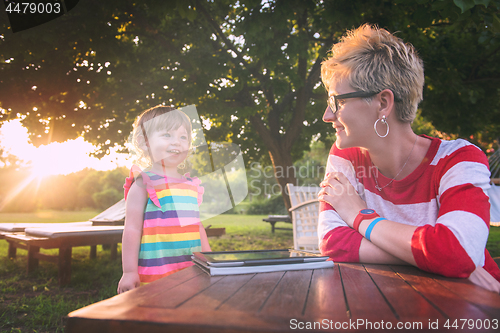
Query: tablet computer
point(256, 257)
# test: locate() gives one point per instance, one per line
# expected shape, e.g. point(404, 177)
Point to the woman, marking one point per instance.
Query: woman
point(391, 196)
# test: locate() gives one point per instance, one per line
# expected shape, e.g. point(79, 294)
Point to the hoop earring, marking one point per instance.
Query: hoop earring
point(182, 165)
point(384, 121)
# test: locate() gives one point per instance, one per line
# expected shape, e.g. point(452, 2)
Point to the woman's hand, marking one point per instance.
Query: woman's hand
point(484, 279)
point(128, 282)
point(342, 196)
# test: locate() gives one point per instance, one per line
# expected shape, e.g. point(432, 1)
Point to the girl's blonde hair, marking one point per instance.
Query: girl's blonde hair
point(152, 120)
point(372, 59)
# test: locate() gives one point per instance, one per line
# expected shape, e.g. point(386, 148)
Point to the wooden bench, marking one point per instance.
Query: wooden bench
point(20, 227)
point(64, 239)
point(114, 215)
point(273, 219)
point(6, 228)
point(214, 232)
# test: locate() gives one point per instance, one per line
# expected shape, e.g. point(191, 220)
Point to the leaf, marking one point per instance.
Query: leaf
point(422, 18)
point(464, 5)
point(495, 23)
point(485, 3)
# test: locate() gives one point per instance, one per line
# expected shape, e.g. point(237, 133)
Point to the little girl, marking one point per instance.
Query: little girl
point(162, 224)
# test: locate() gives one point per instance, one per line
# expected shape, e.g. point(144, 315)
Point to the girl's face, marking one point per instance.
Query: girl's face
point(169, 147)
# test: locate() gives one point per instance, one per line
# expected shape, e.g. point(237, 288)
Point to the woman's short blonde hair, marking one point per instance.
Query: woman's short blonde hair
point(150, 121)
point(372, 59)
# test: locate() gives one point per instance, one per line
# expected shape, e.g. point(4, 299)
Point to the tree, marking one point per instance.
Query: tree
point(250, 66)
point(227, 61)
point(16, 194)
point(87, 187)
point(111, 185)
point(460, 46)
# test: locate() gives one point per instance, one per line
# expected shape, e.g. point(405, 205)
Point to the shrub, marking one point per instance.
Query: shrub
point(273, 205)
point(106, 198)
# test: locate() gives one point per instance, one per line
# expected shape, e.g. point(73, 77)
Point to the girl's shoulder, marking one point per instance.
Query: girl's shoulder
point(134, 177)
point(193, 180)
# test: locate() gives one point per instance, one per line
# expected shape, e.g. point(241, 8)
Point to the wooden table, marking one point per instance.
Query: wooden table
point(349, 296)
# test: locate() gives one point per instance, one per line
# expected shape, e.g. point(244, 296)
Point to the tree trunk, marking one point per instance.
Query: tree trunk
point(284, 172)
point(280, 154)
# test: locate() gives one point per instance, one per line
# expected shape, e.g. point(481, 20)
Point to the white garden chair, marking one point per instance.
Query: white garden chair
point(305, 211)
point(494, 191)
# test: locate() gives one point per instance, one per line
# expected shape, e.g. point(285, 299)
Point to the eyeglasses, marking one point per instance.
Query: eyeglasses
point(333, 100)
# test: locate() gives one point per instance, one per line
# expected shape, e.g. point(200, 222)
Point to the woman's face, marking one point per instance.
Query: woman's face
point(354, 119)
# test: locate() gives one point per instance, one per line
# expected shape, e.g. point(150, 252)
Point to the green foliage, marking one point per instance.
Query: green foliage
point(106, 198)
point(465, 5)
point(103, 63)
point(58, 192)
point(311, 168)
point(12, 179)
point(273, 206)
point(460, 53)
point(422, 126)
point(493, 244)
point(88, 186)
point(309, 171)
point(109, 188)
point(81, 190)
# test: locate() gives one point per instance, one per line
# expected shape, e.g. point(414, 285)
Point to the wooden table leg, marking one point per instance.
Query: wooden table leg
point(64, 263)
point(93, 251)
point(272, 226)
point(114, 251)
point(32, 261)
point(12, 251)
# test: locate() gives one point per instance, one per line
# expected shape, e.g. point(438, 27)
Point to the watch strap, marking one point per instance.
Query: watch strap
point(363, 216)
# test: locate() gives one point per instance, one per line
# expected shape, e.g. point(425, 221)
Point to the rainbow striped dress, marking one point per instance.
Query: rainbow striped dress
point(171, 223)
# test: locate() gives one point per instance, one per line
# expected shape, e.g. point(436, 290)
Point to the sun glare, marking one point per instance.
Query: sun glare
point(55, 158)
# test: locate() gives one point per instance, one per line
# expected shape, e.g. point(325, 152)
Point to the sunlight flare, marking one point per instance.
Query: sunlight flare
point(57, 157)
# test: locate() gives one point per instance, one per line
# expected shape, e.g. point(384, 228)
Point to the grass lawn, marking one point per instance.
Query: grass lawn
point(36, 303)
point(493, 244)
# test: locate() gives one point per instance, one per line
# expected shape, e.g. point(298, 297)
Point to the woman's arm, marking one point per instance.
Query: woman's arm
point(132, 233)
point(340, 202)
point(390, 243)
point(454, 246)
point(342, 242)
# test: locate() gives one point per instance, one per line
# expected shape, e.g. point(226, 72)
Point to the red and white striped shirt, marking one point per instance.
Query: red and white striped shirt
point(445, 198)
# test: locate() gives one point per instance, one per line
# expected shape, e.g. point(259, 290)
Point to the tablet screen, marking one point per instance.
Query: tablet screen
point(254, 256)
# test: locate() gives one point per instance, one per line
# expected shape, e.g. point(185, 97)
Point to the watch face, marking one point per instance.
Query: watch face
point(367, 211)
